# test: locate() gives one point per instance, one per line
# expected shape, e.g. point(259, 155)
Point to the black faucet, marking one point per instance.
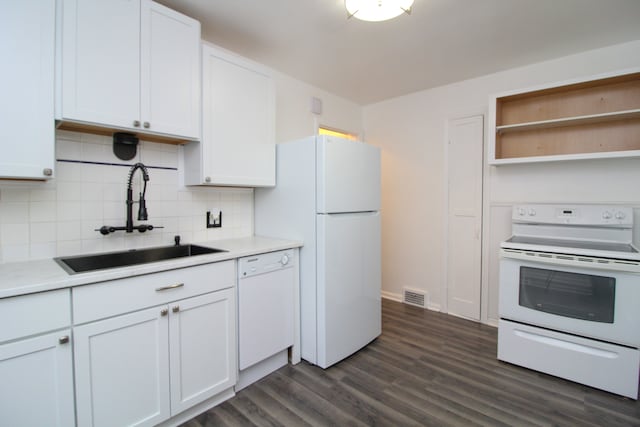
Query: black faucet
point(142, 205)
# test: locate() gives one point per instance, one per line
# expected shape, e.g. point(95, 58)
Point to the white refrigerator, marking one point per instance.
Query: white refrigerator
point(327, 195)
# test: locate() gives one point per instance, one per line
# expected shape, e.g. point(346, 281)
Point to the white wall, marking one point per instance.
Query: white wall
point(411, 132)
point(294, 118)
point(58, 217)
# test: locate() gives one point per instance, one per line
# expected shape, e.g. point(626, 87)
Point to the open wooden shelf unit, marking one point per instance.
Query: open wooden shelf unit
point(593, 118)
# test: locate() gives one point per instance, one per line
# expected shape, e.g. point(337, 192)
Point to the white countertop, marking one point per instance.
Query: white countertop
point(20, 278)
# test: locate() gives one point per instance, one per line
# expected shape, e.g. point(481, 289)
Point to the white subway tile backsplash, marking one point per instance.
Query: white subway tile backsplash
point(67, 248)
point(91, 245)
point(42, 250)
point(14, 212)
point(67, 149)
point(14, 194)
point(96, 153)
point(42, 211)
point(113, 192)
point(43, 232)
point(87, 138)
point(69, 191)
point(14, 234)
point(15, 253)
point(69, 210)
point(68, 231)
point(68, 172)
point(88, 229)
point(58, 217)
point(42, 195)
point(91, 191)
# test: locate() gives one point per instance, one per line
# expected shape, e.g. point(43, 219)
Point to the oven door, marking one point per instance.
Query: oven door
point(590, 301)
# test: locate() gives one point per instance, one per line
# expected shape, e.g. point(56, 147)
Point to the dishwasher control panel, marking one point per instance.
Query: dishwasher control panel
point(265, 263)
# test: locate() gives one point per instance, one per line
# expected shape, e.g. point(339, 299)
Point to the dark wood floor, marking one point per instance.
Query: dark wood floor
point(426, 368)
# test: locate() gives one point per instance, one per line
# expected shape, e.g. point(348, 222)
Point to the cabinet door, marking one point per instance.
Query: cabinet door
point(170, 81)
point(238, 121)
point(203, 348)
point(37, 382)
point(101, 61)
point(26, 104)
point(121, 367)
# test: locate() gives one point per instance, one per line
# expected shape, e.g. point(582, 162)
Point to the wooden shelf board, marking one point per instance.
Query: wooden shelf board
point(564, 157)
point(570, 121)
point(109, 131)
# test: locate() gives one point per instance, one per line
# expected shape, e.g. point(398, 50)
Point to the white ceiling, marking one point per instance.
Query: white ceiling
point(442, 41)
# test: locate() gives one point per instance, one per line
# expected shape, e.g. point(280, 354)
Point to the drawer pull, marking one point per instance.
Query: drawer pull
point(64, 339)
point(166, 288)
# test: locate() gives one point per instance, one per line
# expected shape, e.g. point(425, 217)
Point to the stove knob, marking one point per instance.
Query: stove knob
point(521, 211)
point(620, 215)
point(606, 215)
point(532, 212)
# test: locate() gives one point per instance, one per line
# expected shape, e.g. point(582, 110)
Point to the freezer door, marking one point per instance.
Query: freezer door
point(348, 285)
point(348, 176)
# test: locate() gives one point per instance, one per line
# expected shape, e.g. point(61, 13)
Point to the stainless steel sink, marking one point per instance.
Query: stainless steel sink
point(84, 263)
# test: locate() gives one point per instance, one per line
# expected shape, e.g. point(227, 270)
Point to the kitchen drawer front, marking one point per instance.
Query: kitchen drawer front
point(597, 364)
point(32, 314)
point(98, 301)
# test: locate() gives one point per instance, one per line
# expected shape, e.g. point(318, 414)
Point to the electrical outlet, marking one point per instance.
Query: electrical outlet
point(214, 219)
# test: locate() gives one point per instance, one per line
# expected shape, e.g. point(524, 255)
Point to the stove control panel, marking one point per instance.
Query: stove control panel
point(592, 215)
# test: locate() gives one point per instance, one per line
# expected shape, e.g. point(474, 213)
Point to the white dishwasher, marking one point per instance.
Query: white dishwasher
point(266, 313)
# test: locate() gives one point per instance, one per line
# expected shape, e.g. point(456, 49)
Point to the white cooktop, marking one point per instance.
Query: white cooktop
point(589, 230)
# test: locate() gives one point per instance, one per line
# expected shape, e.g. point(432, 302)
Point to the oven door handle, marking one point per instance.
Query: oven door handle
point(592, 263)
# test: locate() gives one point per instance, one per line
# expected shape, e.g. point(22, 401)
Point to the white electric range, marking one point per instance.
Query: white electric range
point(570, 295)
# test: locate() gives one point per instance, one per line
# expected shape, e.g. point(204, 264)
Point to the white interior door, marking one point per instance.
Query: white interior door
point(464, 216)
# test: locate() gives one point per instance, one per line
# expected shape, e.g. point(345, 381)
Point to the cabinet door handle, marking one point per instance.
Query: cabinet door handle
point(164, 312)
point(136, 123)
point(207, 179)
point(47, 171)
point(63, 339)
point(147, 125)
point(169, 287)
point(176, 308)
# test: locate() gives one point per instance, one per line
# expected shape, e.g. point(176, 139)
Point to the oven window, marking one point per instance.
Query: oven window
point(580, 296)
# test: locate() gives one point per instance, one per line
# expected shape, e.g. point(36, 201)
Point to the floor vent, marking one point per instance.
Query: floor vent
point(414, 297)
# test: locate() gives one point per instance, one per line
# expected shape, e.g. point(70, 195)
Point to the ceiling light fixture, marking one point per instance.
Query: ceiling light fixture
point(377, 10)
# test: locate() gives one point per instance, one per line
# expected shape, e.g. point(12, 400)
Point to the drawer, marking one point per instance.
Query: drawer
point(106, 299)
point(34, 314)
point(605, 366)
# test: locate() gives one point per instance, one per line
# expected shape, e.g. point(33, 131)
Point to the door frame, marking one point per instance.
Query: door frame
point(484, 285)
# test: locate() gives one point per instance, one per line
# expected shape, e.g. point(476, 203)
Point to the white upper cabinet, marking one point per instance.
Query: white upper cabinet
point(129, 64)
point(238, 124)
point(27, 87)
point(170, 60)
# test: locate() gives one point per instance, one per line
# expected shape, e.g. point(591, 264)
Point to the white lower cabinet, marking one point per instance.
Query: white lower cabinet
point(122, 367)
point(143, 367)
point(36, 387)
point(36, 368)
point(202, 348)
